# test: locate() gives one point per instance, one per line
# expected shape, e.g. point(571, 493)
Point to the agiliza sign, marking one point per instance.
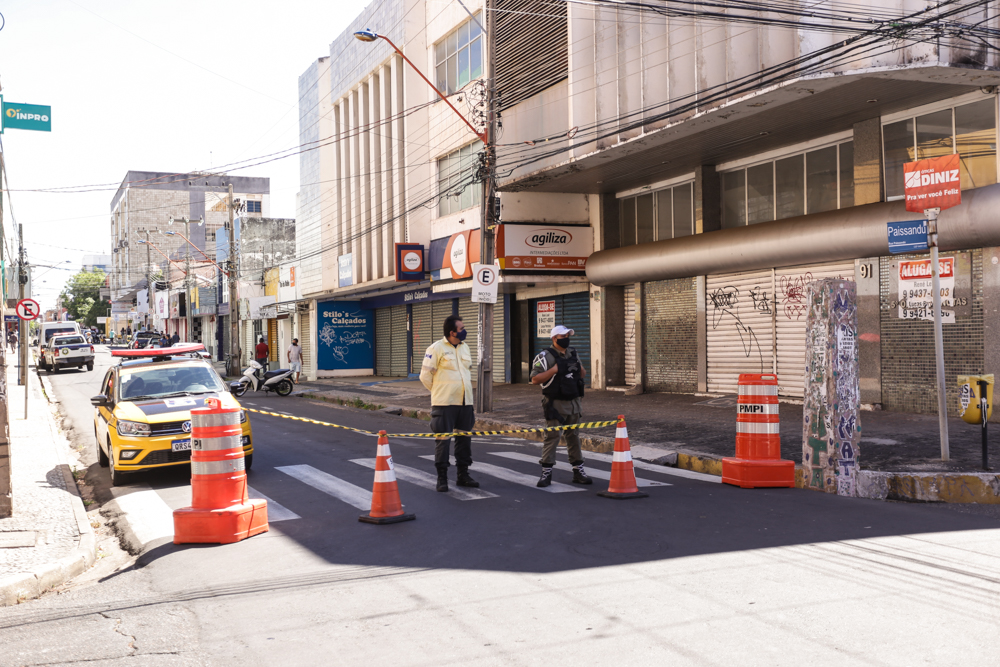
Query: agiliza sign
point(916, 291)
point(543, 247)
point(26, 116)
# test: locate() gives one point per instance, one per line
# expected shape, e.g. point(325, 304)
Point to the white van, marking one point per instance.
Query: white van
point(49, 329)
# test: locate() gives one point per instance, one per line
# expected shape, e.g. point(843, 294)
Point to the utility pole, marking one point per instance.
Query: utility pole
point(187, 283)
point(149, 282)
point(22, 280)
point(234, 307)
point(484, 374)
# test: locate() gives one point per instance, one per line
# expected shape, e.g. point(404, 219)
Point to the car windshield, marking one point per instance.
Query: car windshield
point(139, 383)
point(55, 332)
point(68, 340)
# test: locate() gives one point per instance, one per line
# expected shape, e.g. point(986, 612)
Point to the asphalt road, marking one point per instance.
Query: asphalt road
point(698, 573)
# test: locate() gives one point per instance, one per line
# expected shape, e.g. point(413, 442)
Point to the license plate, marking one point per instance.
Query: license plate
point(181, 445)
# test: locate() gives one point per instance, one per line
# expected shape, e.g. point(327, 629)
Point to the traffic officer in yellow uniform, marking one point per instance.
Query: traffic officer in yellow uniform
point(561, 374)
point(447, 374)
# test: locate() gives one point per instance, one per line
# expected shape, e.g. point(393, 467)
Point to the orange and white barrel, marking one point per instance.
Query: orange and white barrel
point(758, 461)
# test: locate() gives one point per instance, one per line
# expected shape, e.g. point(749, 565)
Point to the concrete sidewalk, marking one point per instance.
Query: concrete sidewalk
point(49, 539)
point(900, 453)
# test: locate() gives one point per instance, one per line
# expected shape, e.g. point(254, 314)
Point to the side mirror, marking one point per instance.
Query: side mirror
point(99, 400)
point(234, 385)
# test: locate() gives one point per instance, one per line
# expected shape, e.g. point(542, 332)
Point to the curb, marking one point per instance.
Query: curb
point(17, 588)
point(923, 487)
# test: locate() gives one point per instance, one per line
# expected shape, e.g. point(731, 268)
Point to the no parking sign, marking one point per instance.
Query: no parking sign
point(28, 309)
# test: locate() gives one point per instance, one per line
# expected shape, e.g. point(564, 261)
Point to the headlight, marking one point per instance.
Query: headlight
point(132, 428)
point(243, 416)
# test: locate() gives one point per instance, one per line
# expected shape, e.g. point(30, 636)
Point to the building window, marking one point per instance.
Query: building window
point(969, 130)
point(459, 57)
point(656, 216)
point(253, 206)
point(455, 173)
point(809, 182)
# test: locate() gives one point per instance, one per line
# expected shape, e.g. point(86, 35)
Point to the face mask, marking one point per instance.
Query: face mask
point(562, 342)
point(460, 335)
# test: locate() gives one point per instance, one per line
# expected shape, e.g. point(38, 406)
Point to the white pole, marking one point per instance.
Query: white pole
point(932, 241)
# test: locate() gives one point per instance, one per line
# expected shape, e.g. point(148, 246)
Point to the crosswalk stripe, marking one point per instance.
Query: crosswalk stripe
point(334, 486)
point(665, 470)
point(148, 515)
point(562, 465)
point(428, 481)
point(275, 511)
point(516, 477)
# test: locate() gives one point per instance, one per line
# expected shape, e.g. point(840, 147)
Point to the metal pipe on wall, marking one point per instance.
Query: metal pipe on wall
point(859, 231)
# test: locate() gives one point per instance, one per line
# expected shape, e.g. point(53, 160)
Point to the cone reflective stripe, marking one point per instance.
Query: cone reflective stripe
point(220, 510)
point(622, 483)
point(386, 505)
point(758, 437)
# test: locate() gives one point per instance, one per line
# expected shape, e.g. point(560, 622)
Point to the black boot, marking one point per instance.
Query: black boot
point(465, 479)
point(442, 484)
point(546, 477)
point(580, 475)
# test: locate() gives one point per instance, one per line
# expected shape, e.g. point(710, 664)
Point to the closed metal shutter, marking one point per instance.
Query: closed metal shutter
point(738, 313)
point(499, 340)
point(272, 340)
point(470, 318)
point(572, 311)
point(399, 359)
point(790, 319)
point(383, 341)
point(422, 334)
point(670, 335)
point(305, 340)
point(630, 325)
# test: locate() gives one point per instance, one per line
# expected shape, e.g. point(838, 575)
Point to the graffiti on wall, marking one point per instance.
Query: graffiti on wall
point(725, 305)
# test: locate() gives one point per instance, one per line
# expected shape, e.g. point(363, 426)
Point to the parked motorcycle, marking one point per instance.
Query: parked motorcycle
point(254, 377)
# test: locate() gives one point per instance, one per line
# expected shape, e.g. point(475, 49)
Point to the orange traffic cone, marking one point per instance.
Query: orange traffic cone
point(622, 475)
point(386, 506)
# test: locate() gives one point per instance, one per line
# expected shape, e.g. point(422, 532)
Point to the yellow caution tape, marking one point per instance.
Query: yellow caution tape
point(611, 422)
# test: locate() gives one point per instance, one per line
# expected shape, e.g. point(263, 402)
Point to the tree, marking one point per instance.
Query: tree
point(82, 297)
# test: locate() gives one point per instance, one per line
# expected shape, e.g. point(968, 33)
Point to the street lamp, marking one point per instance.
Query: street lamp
point(484, 373)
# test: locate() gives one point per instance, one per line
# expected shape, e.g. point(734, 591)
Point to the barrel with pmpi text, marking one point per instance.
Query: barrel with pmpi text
point(758, 459)
point(221, 511)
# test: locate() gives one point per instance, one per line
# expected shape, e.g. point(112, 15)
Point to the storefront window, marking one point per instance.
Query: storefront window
point(976, 142)
point(734, 199)
point(656, 216)
point(968, 129)
point(819, 180)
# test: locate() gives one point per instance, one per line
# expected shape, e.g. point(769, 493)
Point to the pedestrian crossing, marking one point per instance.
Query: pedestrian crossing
point(150, 510)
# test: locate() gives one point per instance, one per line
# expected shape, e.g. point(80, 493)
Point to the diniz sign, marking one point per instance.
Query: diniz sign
point(932, 183)
point(460, 254)
point(528, 247)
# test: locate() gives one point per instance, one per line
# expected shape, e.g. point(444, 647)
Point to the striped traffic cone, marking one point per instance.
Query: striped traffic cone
point(622, 483)
point(386, 506)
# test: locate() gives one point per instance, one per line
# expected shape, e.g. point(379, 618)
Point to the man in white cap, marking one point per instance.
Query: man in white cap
point(561, 374)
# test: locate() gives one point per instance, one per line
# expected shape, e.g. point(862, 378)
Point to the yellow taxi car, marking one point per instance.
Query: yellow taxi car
point(142, 417)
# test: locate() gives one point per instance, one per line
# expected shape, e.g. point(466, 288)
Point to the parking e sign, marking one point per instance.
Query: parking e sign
point(28, 309)
point(485, 281)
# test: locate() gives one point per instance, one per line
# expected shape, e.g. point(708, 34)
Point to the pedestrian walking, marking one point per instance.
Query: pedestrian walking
point(175, 339)
point(447, 374)
point(261, 352)
point(12, 340)
point(561, 374)
point(295, 358)
point(164, 341)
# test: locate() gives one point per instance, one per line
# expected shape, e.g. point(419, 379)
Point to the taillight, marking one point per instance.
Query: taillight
point(91, 349)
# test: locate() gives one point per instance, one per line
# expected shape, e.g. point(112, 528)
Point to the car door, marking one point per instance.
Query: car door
point(104, 413)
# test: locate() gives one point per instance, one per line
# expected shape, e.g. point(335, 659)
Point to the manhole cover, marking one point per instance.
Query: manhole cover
point(17, 538)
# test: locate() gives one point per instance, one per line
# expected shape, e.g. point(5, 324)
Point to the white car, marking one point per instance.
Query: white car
point(68, 350)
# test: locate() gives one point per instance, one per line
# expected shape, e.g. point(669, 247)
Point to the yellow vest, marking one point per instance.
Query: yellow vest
point(447, 373)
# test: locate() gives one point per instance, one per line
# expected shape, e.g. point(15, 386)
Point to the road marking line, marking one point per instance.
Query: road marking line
point(665, 470)
point(428, 481)
point(563, 465)
point(148, 515)
point(516, 477)
point(275, 511)
point(334, 486)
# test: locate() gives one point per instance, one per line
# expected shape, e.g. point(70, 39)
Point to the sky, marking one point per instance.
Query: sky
point(175, 87)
